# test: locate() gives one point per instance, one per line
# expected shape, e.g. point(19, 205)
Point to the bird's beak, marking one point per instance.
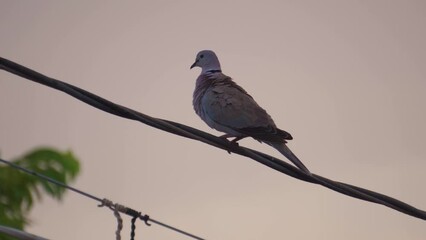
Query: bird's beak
point(194, 64)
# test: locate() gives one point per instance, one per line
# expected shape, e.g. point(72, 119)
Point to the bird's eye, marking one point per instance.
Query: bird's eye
point(201, 56)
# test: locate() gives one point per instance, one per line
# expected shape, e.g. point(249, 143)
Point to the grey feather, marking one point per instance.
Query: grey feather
point(284, 150)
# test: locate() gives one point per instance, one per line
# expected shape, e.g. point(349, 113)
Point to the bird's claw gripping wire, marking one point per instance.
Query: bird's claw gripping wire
point(234, 142)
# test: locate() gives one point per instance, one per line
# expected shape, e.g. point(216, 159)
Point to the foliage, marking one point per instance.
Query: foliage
point(18, 190)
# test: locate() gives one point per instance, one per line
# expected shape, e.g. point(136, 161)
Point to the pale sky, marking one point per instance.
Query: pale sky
point(346, 78)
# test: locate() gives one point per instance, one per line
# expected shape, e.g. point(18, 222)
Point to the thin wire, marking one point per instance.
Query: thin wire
point(14, 165)
point(192, 133)
point(102, 201)
point(175, 229)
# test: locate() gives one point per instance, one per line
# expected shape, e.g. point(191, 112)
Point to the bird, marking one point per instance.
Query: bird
point(225, 106)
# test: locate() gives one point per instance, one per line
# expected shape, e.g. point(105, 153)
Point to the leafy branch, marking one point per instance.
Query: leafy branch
point(19, 190)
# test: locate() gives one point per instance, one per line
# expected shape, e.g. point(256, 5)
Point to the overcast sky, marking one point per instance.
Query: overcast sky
point(346, 78)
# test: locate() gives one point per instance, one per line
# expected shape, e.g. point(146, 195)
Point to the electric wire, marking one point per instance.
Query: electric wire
point(102, 202)
point(195, 134)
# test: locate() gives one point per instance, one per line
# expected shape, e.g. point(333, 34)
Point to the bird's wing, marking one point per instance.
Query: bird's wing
point(229, 105)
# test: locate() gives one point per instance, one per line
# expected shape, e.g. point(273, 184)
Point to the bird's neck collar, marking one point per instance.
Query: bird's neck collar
point(214, 71)
point(210, 71)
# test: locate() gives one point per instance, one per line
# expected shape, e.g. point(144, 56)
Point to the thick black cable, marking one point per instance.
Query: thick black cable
point(133, 213)
point(189, 132)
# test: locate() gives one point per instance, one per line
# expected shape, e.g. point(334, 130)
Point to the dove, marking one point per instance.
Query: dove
point(225, 106)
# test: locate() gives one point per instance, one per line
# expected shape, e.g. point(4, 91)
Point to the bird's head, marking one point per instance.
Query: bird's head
point(207, 61)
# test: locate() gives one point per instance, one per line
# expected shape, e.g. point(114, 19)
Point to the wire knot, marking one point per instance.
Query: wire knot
point(106, 202)
point(145, 218)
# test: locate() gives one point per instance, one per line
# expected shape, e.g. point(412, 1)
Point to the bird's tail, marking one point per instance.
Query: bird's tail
point(284, 150)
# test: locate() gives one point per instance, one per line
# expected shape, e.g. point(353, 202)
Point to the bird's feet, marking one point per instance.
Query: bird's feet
point(234, 142)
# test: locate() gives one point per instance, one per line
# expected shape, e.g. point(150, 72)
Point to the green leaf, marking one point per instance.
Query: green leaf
point(19, 189)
